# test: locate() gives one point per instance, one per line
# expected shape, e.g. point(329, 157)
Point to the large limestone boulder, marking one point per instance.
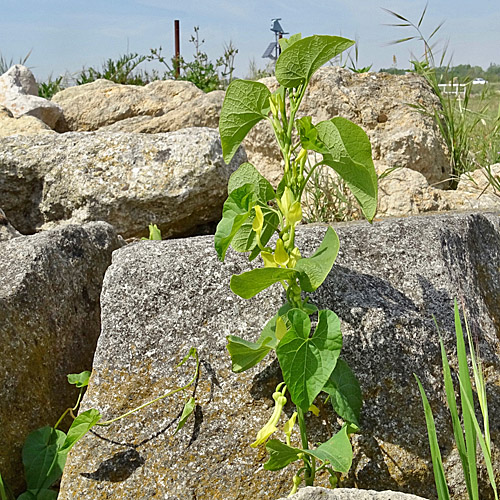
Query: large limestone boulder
point(379, 103)
point(161, 106)
point(202, 111)
point(19, 94)
point(407, 192)
point(161, 298)
point(25, 124)
point(177, 180)
point(313, 493)
point(49, 325)
point(475, 191)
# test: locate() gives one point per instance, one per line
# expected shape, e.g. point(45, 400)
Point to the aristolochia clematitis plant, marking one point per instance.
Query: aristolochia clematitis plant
point(254, 212)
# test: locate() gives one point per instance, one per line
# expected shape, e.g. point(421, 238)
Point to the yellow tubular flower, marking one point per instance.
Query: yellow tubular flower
point(314, 410)
point(294, 214)
point(302, 155)
point(287, 429)
point(268, 429)
point(286, 201)
point(280, 255)
point(268, 259)
point(258, 222)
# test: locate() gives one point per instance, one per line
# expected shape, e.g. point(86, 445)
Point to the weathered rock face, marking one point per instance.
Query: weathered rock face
point(474, 191)
point(19, 93)
point(161, 106)
point(405, 191)
point(202, 111)
point(161, 298)
point(25, 125)
point(49, 324)
point(7, 230)
point(378, 102)
point(312, 493)
point(22, 78)
point(177, 181)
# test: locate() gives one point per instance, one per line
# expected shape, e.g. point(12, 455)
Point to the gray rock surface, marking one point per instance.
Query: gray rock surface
point(49, 324)
point(379, 103)
point(161, 298)
point(161, 106)
point(177, 180)
point(313, 493)
point(19, 93)
point(7, 230)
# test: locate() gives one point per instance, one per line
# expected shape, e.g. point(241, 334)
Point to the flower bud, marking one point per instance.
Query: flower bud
point(258, 222)
point(280, 328)
point(294, 213)
point(280, 255)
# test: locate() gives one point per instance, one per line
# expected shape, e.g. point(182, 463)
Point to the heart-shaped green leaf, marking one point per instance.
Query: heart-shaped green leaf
point(42, 464)
point(245, 104)
point(248, 284)
point(308, 361)
point(345, 393)
point(245, 240)
point(79, 379)
point(248, 174)
point(245, 354)
point(280, 455)
point(298, 62)
point(313, 270)
point(80, 426)
point(350, 155)
point(337, 450)
point(236, 210)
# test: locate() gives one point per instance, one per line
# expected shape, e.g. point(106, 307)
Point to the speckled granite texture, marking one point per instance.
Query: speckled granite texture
point(390, 278)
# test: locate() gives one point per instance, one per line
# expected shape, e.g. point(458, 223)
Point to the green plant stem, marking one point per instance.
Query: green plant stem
point(312, 474)
point(308, 469)
point(313, 168)
point(70, 409)
point(170, 393)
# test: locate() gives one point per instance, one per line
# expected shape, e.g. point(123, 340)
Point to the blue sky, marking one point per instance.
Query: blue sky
point(66, 35)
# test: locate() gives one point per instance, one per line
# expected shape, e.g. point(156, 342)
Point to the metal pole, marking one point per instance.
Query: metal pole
point(177, 48)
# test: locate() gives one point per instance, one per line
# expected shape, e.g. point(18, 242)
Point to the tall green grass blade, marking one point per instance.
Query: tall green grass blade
point(455, 420)
point(395, 14)
point(436, 29)
point(5, 493)
point(468, 417)
point(484, 448)
point(480, 386)
point(437, 462)
point(422, 16)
